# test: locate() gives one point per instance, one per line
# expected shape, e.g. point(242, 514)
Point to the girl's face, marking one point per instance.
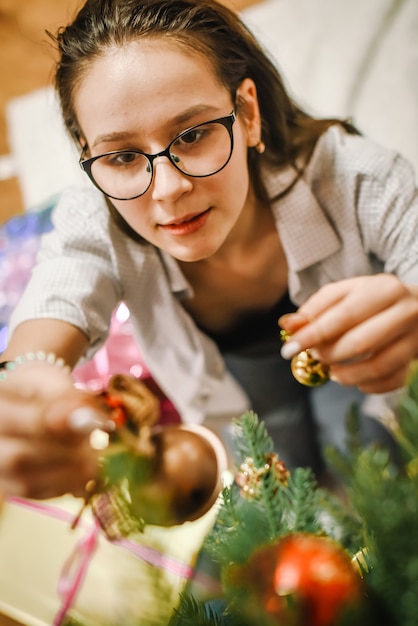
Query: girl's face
point(141, 97)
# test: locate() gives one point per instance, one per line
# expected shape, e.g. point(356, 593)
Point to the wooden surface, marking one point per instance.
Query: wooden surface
point(8, 621)
point(26, 63)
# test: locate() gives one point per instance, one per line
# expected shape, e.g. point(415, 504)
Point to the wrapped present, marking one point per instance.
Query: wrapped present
point(124, 553)
point(50, 572)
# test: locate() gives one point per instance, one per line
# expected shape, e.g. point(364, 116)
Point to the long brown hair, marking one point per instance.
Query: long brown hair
point(289, 133)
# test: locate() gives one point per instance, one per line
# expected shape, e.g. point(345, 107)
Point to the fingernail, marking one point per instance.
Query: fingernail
point(290, 349)
point(85, 419)
point(295, 318)
point(314, 354)
point(334, 378)
point(284, 317)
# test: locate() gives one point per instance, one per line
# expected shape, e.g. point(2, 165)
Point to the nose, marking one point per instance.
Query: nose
point(168, 182)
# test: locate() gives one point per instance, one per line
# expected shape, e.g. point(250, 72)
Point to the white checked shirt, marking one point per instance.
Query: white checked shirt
point(355, 212)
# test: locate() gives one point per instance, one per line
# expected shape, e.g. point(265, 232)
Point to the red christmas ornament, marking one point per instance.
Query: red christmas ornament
point(303, 580)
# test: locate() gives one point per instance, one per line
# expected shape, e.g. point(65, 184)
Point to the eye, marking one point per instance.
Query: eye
point(194, 135)
point(191, 136)
point(123, 158)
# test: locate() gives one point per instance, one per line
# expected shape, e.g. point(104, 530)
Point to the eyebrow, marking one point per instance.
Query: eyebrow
point(182, 118)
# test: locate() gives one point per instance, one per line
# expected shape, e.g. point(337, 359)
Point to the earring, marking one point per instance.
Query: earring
point(260, 147)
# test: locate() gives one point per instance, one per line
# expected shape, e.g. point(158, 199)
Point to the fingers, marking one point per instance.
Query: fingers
point(19, 414)
point(365, 328)
point(339, 307)
point(372, 336)
point(383, 371)
point(52, 482)
point(44, 472)
point(292, 322)
point(45, 446)
point(76, 414)
point(377, 291)
point(73, 414)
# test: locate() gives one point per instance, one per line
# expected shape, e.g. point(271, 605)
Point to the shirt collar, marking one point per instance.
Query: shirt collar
point(177, 281)
point(305, 231)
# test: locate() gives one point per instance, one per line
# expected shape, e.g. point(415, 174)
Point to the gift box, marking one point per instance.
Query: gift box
point(51, 572)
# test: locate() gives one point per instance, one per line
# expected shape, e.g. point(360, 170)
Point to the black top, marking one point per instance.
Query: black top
point(253, 328)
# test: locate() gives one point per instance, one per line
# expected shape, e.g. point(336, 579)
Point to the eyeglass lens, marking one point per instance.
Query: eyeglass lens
point(200, 151)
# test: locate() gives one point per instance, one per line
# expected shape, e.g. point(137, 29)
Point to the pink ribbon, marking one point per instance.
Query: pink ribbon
point(76, 566)
point(74, 571)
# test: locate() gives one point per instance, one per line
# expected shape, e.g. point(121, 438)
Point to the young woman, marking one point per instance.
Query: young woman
point(217, 207)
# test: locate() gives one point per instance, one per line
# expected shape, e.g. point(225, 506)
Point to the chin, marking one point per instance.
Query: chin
point(190, 258)
point(192, 254)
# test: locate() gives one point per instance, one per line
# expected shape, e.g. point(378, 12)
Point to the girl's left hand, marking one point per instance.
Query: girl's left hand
point(364, 328)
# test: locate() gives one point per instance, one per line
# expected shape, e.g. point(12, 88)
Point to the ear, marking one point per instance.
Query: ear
point(248, 110)
point(82, 143)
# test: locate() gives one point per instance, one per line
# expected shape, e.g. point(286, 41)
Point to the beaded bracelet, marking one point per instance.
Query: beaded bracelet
point(50, 358)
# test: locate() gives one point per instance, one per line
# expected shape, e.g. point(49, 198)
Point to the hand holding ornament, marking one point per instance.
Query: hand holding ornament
point(365, 329)
point(45, 427)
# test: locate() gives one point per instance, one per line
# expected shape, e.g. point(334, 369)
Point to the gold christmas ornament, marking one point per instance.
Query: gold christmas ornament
point(249, 476)
point(152, 474)
point(186, 477)
point(305, 368)
point(179, 481)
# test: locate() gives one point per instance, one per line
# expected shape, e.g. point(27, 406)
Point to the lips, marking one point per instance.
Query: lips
point(187, 224)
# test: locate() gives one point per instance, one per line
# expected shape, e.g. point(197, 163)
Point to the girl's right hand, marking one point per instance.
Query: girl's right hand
point(45, 428)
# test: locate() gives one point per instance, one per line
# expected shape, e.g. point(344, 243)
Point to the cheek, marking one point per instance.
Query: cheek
point(239, 156)
point(134, 214)
point(237, 182)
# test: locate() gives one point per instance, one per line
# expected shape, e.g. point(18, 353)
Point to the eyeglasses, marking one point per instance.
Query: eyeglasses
point(199, 151)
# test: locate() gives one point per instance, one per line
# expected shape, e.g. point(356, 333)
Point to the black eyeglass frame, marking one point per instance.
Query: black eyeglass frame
point(227, 121)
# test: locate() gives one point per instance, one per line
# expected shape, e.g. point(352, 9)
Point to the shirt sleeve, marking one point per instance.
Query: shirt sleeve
point(74, 279)
point(388, 214)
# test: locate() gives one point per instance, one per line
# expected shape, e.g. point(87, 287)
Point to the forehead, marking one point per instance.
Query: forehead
point(144, 81)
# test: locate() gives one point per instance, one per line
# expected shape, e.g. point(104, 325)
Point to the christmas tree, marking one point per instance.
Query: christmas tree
point(286, 552)
point(292, 554)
